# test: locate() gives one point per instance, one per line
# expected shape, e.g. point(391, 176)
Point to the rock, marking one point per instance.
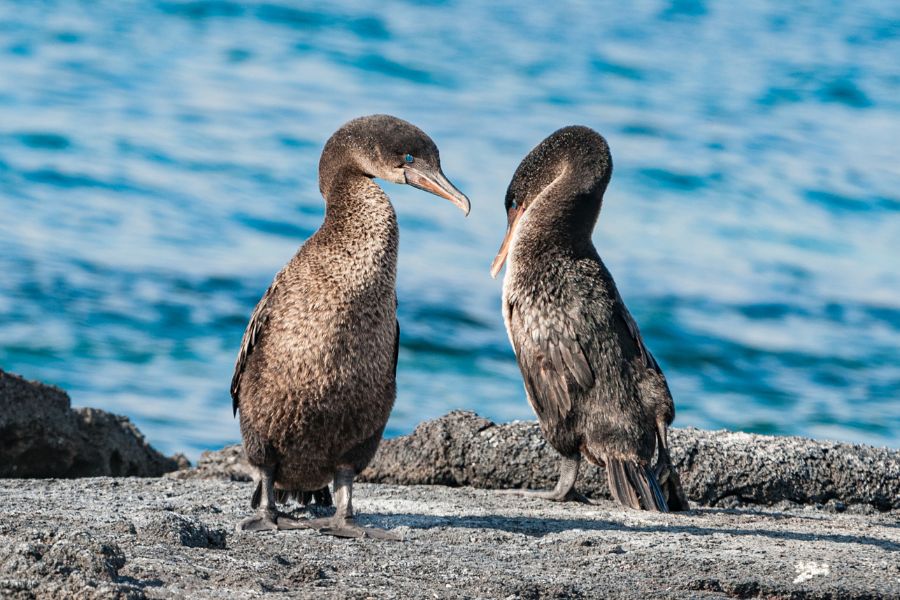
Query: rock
point(227, 464)
point(42, 436)
point(459, 542)
point(717, 468)
point(172, 528)
point(730, 469)
point(62, 564)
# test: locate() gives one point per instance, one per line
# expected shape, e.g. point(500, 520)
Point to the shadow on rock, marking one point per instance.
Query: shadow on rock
point(538, 527)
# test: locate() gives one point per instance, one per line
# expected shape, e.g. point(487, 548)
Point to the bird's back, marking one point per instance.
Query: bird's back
point(594, 385)
point(581, 362)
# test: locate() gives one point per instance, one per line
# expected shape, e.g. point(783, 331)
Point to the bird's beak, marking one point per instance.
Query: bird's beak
point(433, 180)
point(504, 247)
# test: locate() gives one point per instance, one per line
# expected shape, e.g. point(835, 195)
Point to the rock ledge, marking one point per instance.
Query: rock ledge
point(718, 468)
point(42, 436)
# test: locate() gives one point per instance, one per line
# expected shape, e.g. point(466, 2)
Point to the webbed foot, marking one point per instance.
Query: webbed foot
point(347, 528)
point(565, 487)
point(554, 495)
point(287, 522)
point(259, 522)
point(268, 521)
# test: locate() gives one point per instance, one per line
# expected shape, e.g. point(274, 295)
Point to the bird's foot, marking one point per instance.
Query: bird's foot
point(270, 521)
point(261, 521)
point(287, 522)
point(347, 528)
point(554, 495)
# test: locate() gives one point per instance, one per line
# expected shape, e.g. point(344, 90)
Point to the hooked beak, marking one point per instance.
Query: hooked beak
point(504, 247)
point(432, 180)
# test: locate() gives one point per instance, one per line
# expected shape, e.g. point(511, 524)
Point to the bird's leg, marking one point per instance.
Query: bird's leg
point(668, 479)
point(343, 524)
point(565, 487)
point(661, 469)
point(266, 516)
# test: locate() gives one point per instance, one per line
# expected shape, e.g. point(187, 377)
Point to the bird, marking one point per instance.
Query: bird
point(596, 389)
point(315, 377)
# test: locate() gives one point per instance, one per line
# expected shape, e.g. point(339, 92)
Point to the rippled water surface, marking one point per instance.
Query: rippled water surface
point(158, 166)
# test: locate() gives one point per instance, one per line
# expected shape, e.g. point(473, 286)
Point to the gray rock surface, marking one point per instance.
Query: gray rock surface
point(718, 468)
point(166, 538)
point(227, 464)
point(42, 436)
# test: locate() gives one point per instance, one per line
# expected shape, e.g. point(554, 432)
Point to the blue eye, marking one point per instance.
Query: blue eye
point(408, 158)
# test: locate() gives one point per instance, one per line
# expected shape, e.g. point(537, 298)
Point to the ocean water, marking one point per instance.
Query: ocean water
point(158, 166)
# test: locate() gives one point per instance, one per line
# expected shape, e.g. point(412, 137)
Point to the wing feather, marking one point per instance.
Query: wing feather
point(251, 337)
point(396, 348)
point(553, 363)
point(630, 339)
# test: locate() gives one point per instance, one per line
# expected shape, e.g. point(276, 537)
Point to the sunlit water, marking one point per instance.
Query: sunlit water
point(158, 166)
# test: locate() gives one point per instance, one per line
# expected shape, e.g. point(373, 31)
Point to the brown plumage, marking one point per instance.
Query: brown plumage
point(596, 389)
point(315, 376)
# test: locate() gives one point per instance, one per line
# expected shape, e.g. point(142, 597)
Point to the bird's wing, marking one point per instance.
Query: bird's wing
point(251, 337)
point(630, 340)
point(554, 364)
point(396, 348)
point(653, 383)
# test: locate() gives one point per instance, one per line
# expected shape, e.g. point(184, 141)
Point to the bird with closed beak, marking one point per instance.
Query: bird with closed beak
point(596, 389)
point(315, 378)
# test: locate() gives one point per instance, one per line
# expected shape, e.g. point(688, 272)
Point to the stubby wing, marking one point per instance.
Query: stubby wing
point(630, 339)
point(251, 337)
point(655, 388)
point(553, 363)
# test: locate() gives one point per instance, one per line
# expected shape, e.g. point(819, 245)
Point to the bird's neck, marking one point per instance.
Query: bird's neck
point(561, 219)
point(357, 243)
point(358, 212)
point(360, 236)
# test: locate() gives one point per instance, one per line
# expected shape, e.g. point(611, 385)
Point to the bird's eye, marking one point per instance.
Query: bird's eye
point(514, 205)
point(408, 158)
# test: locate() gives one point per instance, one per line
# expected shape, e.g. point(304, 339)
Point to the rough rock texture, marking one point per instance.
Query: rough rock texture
point(165, 538)
point(227, 464)
point(48, 563)
point(42, 436)
point(717, 468)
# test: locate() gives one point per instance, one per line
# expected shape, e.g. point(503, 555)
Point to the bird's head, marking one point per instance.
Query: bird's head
point(563, 179)
point(392, 149)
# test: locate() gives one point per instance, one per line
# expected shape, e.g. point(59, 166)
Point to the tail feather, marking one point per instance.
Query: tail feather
point(635, 485)
point(322, 497)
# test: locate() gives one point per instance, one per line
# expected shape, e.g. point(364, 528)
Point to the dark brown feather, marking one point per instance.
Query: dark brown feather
point(555, 364)
point(635, 486)
point(315, 377)
point(595, 387)
point(254, 330)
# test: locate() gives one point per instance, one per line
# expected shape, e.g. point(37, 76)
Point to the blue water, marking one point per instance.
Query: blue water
point(158, 166)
